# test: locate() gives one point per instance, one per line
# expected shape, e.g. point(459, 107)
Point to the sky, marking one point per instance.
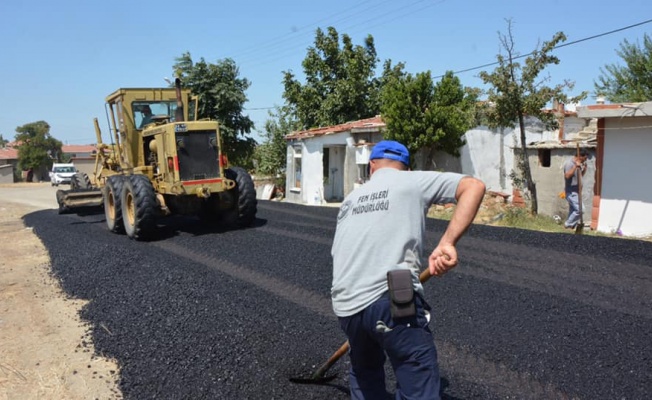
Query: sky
point(60, 59)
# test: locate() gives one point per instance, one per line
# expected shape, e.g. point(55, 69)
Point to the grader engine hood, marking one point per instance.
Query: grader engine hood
point(197, 156)
point(191, 151)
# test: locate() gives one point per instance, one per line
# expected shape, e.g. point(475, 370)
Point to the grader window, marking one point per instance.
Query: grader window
point(145, 111)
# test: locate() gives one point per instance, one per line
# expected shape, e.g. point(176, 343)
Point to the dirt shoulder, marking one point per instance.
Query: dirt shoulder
point(45, 348)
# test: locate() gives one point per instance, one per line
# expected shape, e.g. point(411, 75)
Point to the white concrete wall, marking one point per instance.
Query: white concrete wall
point(311, 167)
point(489, 154)
point(626, 198)
point(6, 174)
point(312, 190)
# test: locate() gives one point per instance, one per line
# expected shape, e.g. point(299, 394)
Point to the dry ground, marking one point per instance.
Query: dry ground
point(45, 349)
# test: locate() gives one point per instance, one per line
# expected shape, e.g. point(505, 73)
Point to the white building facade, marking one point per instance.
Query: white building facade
point(325, 164)
point(623, 200)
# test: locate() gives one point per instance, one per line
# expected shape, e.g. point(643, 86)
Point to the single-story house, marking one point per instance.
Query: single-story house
point(325, 164)
point(6, 173)
point(83, 156)
point(623, 197)
point(546, 161)
point(8, 162)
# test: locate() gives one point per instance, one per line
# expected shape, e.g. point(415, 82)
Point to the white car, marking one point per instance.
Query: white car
point(62, 173)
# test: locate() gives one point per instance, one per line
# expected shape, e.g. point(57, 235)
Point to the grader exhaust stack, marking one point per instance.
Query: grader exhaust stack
point(178, 113)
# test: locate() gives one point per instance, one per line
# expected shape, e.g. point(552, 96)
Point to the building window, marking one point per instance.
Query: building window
point(544, 158)
point(363, 173)
point(326, 163)
point(296, 168)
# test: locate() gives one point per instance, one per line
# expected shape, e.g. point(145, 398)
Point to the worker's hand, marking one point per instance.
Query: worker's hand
point(443, 258)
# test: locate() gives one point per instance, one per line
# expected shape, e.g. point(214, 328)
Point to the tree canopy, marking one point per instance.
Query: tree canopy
point(517, 91)
point(35, 145)
point(631, 82)
point(422, 114)
point(339, 85)
point(271, 154)
point(221, 97)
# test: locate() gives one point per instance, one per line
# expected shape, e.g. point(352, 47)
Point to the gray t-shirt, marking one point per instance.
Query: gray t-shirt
point(381, 227)
point(570, 184)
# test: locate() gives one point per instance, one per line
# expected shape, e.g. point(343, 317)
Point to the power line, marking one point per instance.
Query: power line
point(259, 108)
point(556, 47)
point(290, 47)
point(274, 43)
point(281, 38)
point(380, 19)
point(517, 57)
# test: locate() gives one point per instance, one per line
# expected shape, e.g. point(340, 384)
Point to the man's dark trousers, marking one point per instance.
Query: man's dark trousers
point(408, 343)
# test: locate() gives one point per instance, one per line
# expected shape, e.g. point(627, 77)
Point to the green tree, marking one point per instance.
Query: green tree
point(340, 84)
point(271, 154)
point(632, 82)
point(517, 91)
point(3, 141)
point(221, 97)
point(36, 147)
point(424, 115)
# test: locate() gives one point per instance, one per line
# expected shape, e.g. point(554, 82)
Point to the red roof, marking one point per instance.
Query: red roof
point(8, 153)
point(375, 122)
point(604, 106)
point(78, 148)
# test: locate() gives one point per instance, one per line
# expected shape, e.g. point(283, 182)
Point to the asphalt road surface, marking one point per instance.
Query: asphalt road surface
point(201, 313)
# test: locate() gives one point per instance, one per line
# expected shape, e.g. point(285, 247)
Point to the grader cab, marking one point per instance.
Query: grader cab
point(160, 161)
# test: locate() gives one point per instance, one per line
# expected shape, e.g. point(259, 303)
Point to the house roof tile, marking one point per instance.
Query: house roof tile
point(8, 153)
point(78, 148)
point(374, 122)
point(623, 110)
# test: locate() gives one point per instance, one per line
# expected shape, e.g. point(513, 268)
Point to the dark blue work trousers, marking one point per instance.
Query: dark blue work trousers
point(408, 343)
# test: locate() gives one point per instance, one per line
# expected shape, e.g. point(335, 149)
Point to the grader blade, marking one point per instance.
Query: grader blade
point(70, 199)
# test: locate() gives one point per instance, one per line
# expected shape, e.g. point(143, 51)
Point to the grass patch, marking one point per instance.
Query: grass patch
point(518, 217)
point(496, 212)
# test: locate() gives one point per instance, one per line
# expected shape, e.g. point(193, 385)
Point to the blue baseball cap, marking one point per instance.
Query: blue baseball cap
point(391, 150)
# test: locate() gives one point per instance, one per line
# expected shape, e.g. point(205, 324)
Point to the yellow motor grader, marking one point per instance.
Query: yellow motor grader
point(161, 160)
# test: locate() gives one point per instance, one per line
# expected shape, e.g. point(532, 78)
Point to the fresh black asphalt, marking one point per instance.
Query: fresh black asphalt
point(202, 313)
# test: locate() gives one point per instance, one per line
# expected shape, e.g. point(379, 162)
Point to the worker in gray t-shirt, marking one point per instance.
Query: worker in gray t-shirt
point(380, 228)
point(572, 167)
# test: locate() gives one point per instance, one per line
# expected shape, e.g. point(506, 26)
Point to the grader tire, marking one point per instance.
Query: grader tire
point(139, 207)
point(244, 213)
point(113, 203)
point(63, 209)
point(80, 181)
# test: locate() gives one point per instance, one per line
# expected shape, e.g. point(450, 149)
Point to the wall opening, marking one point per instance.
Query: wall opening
point(544, 158)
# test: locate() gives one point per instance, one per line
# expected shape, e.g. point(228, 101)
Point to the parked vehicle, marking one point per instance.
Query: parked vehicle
point(62, 173)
